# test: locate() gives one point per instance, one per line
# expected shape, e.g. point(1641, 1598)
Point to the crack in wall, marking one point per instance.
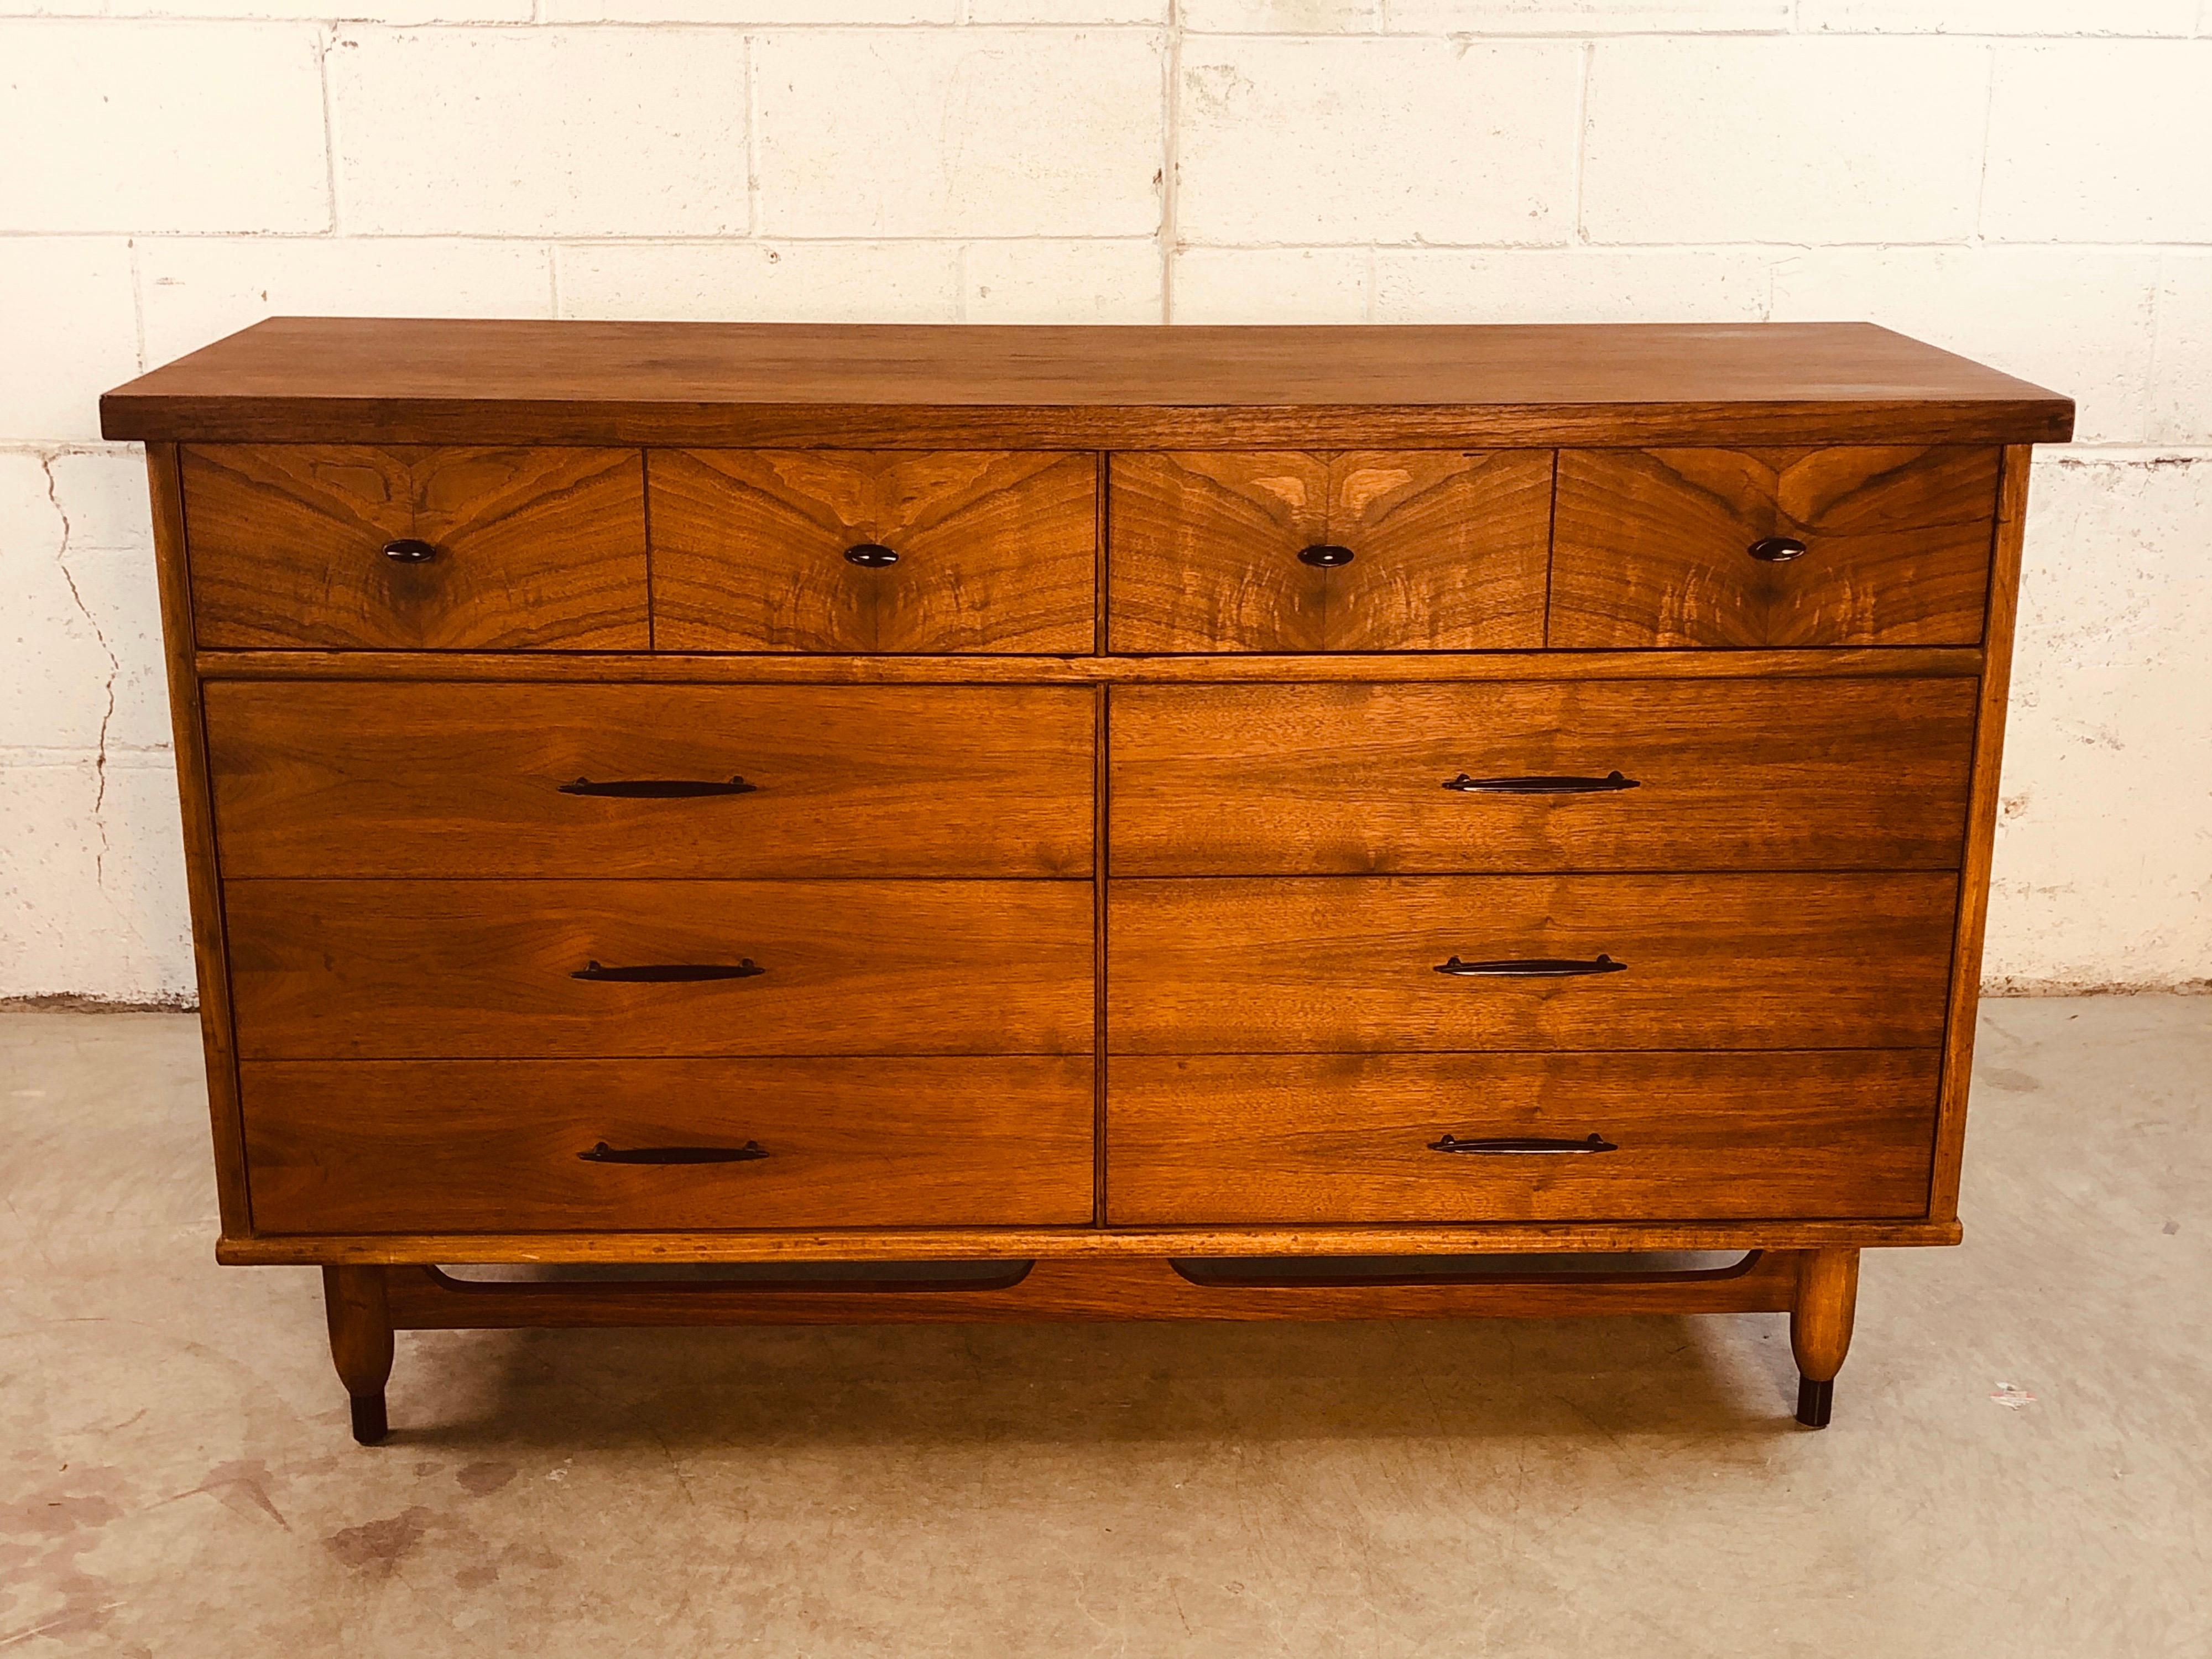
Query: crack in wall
point(114, 672)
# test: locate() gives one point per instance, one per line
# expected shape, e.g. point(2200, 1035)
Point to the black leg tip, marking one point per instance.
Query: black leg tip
point(1815, 1402)
point(368, 1425)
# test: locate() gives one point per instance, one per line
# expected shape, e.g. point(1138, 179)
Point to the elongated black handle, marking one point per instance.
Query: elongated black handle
point(1776, 550)
point(1326, 556)
point(603, 1153)
point(1512, 1143)
point(1532, 968)
point(407, 551)
point(660, 788)
point(670, 973)
point(1611, 782)
point(870, 555)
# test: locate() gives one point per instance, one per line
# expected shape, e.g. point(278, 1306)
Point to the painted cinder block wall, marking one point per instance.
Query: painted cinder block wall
point(2023, 180)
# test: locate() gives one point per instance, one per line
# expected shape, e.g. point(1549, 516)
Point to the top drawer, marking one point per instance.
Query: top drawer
point(838, 550)
point(1284, 550)
point(1722, 547)
point(352, 547)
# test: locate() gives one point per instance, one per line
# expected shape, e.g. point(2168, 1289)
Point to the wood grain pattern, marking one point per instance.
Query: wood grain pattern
point(1347, 964)
point(364, 969)
point(1886, 662)
point(426, 1298)
point(1284, 1139)
point(425, 779)
point(1649, 547)
point(1074, 1244)
point(195, 794)
point(1981, 834)
point(492, 1145)
point(340, 380)
point(1318, 780)
point(996, 551)
point(1449, 550)
point(537, 548)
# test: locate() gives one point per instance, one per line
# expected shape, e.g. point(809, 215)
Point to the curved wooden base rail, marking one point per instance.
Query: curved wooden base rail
point(366, 1305)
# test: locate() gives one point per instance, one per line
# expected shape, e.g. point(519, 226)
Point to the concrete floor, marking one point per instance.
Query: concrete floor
point(2020, 1463)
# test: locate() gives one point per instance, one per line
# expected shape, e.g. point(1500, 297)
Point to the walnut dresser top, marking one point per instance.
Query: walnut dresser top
point(1110, 808)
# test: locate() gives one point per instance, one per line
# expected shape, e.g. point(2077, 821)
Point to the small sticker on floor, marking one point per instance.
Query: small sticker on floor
point(2011, 1395)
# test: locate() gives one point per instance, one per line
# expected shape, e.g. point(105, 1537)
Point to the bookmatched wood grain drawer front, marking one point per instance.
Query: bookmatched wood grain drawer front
point(388, 970)
point(1327, 1138)
point(355, 547)
point(819, 550)
point(566, 1146)
point(1340, 963)
point(1299, 779)
point(429, 780)
point(1287, 551)
point(1819, 547)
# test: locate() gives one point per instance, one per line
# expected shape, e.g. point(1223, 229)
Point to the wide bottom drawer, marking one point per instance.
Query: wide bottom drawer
point(482, 1147)
point(1299, 1139)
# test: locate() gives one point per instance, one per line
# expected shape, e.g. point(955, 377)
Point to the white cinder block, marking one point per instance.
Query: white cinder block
point(169, 127)
point(68, 331)
point(2103, 839)
point(91, 879)
point(1279, 16)
point(1784, 140)
point(1998, 17)
point(1063, 282)
point(585, 132)
point(103, 493)
point(959, 132)
point(751, 11)
point(1572, 285)
point(1308, 142)
point(80, 626)
point(2100, 141)
point(352, 11)
point(2181, 383)
point(1590, 16)
point(752, 282)
point(1070, 11)
point(2077, 320)
point(1270, 285)
point(196, 291)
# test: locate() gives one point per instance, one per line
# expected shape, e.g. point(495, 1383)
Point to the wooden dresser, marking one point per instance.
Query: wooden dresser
point(1162, 823)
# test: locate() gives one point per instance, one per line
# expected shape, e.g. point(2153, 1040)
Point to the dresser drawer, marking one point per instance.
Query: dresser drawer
point(463, 1146)
point(1296, 1139)
point(381, 547)
point(1284, 550)
point(1720, 547)
point(375, 969)
point(425, 780)
point(1728, 775)
point(841, 551)
point(1346, 963)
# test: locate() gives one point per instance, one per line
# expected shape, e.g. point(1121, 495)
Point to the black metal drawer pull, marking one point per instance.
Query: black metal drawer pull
point(407, 551)
point(603, 1153)
point(670, 973)
point(1326, 556)
point(1776, 550)
point(870, 555)
point(660, 788)
point(1532, 968)
point(1608, 784)
point(1510, 1143)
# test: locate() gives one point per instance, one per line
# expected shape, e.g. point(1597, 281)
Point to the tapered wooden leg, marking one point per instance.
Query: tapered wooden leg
point(1820, 1329)
point(361, 1343)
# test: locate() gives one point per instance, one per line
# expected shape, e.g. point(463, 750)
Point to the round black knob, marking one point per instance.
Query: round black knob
point(872, 555)
point(1325, 556)
point(407, 551)
point(1776, 550)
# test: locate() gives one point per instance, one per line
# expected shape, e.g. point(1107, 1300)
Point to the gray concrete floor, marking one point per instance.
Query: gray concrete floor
point(178, 1480)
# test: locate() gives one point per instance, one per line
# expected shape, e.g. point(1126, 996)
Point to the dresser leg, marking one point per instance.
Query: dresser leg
point(1820, 1329)
point(361, 1343)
